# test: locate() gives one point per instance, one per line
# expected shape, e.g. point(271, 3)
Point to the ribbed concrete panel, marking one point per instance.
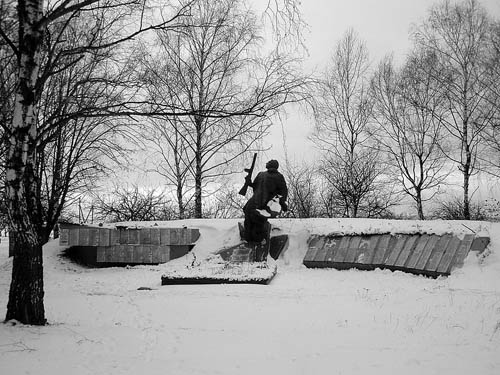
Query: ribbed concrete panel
point(428, 254)
point(128, 245)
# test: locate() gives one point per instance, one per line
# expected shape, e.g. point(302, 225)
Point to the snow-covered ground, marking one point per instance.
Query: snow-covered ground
point(307, 321)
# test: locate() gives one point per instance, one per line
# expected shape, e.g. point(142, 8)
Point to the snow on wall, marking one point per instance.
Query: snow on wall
point(220, 233)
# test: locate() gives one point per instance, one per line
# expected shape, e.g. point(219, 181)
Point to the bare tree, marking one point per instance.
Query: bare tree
point(132, 204)
point(354, 182)
point(225, 202)
point(343, 115)
point(173, 161)
point(8, 26)
point(459, 35)
point(215, 73)
point(302, 190)
point(7, 87)
point(76, 143)
point(409, 107)
point(34, 19)
point(491, 135)
point(453, 209)
point(330, 204)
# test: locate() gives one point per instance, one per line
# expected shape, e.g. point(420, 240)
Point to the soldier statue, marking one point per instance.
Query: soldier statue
point(269, 198)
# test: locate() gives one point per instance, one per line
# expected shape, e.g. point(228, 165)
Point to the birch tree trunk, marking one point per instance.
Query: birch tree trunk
point(26, 289)
point(198, 168)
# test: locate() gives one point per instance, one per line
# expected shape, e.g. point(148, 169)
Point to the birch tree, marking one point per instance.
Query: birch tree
point(343, 116)
point(22, 135)
point(460, 36)
point(409, 106)
point(216, 73)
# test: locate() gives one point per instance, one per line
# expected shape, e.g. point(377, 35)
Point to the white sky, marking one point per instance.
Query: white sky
point(383, 24)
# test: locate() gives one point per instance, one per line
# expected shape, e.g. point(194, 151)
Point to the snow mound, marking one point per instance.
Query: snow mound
point(223, 233)
point(217, 269)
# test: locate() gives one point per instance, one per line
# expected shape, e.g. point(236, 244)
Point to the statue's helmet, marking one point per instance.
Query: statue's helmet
point(272, 164)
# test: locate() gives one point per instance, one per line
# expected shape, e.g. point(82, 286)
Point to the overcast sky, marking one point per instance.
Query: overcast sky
point(383, 24)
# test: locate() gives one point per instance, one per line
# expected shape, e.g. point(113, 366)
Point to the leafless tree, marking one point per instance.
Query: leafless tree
point(215, 71)
point(76, 144)
point(172, 158)
point(225, 202)
point(343, 116)
point(459, 34)
point(7, 74)
point(132, 204)
point(344, 113)
point(287, 24)
point(453, 209)
point(330, 204)
point(34, 19)
point(7, 87)
point(492, 134)
point(354, 182)
point(409, 108)
point(302, 184)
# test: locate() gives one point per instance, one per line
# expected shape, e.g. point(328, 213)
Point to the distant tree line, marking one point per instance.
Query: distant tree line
point(394, 130)
point(385, 132)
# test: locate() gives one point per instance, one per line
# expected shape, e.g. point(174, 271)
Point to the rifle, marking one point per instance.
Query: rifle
point(243, 190)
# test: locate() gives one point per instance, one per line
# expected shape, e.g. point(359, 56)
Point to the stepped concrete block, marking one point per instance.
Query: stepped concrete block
point(129, 245)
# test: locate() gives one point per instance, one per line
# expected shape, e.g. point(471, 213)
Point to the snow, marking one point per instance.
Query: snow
point(216, 268)
point(306, 321)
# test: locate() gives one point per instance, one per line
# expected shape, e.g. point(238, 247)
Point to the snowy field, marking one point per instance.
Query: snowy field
point(305, 322)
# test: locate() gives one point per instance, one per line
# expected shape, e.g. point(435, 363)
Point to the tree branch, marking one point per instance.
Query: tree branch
point(9, 42)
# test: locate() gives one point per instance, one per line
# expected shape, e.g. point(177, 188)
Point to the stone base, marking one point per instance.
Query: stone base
point(212, 280)
point(216, 270)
